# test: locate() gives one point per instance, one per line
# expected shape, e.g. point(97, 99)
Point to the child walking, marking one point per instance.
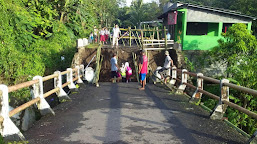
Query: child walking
point(91, 37)
point(128, 72)
point(102, 36)
point(107, 33)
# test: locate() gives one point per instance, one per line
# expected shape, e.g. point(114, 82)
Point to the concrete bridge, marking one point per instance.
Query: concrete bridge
point(120, 113)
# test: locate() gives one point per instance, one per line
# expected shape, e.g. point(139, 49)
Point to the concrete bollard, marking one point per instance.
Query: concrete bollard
point(221, 108)
point(174, 76)
point(196, 97)
point(79, 43)
point(70, 79)
point(42, 105)
point(182, 86)
point(8, 129)
point(85, 41)
point(78, 75)
point(58, 83)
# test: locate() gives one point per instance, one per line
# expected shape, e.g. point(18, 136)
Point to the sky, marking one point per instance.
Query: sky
point(145, 1)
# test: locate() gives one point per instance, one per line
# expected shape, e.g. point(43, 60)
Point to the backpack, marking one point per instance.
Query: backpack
point(129, 70)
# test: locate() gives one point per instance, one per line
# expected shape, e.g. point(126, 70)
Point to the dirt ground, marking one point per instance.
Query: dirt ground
point(155, 57)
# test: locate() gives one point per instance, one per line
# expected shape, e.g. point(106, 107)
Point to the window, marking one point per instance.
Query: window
point(195, 28)
point(226, 26)
point(213, 29)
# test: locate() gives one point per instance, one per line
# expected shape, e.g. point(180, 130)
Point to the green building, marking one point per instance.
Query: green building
point(199, 27)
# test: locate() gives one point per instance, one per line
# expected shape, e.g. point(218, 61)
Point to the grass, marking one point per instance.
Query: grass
point(92, 46)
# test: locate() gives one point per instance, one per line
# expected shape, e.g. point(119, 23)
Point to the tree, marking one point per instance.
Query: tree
point(238, 49)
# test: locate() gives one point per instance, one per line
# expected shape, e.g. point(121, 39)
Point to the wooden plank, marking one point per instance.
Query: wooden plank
point(160, 40)
point(156, 44)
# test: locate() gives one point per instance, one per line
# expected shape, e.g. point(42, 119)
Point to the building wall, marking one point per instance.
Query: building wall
point(201, 42)
point(180, 27)
point(199, 15)
point(215, 25)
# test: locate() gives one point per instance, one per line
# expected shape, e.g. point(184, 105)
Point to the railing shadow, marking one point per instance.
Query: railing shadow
point(182, 132)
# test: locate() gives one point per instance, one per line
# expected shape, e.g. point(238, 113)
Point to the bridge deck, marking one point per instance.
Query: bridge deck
point(120, 113)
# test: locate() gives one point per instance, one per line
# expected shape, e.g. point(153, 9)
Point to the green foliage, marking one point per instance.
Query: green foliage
point(35, 34)
point(189, 64)
point(209, 102)
point(138, 12)
point(238, 50)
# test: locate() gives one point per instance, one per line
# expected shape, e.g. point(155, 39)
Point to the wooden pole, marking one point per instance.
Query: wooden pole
point(130, 36)
point(135, 39)
point(166, 46)
point(122, 39)
point(153, 35)
point(158, 36)
point(138, 37)
point(142, 38)
point(98, 35)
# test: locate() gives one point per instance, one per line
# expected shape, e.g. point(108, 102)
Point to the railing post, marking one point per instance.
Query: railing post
point(196, 97)
point(58, 83)
point(82, 68)
point(220, 108)
point(174, 76)
point(130, 36)
point(182, 86)
point(70, 79)
point(78, 75)
point(165, 35)
point(42, 105)
point(158, 35)
point(8, 129)
point(142, 38)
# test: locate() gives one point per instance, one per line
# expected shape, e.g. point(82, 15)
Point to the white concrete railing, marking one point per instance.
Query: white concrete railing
point(154, 44)
point(7, 128)
point(223, 99)
point(82, 42)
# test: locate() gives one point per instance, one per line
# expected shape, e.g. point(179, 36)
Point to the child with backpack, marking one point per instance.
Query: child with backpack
point(123, 72)
point(128, 72)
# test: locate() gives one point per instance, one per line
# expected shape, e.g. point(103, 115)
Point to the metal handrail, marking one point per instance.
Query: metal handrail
point(30, 83)
point(35, 100)
point(240, 88)
point(90, 61)
point(233, 105)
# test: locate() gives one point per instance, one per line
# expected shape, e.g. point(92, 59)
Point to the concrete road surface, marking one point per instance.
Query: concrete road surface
point(119, 113)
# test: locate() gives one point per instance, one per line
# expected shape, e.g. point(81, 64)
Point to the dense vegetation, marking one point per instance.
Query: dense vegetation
point(34, 34)
point(238, 50)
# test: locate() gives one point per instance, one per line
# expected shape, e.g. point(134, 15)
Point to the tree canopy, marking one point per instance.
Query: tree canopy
point(238, 50)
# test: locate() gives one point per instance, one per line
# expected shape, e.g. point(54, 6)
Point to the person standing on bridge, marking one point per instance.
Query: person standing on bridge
point(115, 68)
point(168, 63)
point(143, 69)
point(102, 36)
point(95, 33)
point(115, 37)
point(107, 33)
